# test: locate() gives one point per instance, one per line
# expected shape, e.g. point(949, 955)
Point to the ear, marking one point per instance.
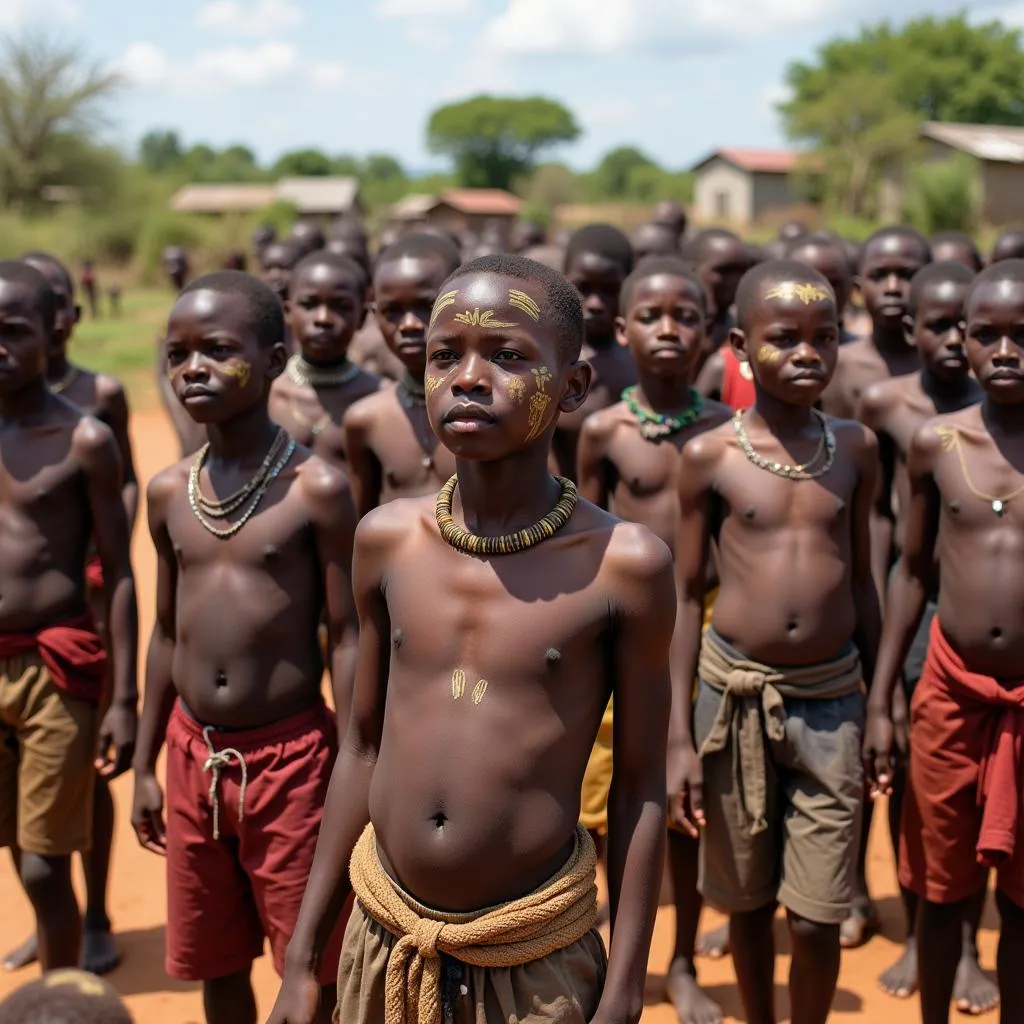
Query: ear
point(579, 378)
point(277, 359)
point(908, 330)
point(620, 331)
point(738, 342)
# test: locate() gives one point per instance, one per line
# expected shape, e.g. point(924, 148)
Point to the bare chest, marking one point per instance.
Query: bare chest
point(643, 469)
point(412, 460)
point(39, 475)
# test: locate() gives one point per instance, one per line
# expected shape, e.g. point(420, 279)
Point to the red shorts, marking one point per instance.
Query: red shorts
point(941, 812)
point(226, 895)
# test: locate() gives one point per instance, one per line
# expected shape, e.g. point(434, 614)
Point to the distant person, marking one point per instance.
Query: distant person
point(1008, 246)
point(792, 231)
point(261, 238)
point(277, 261)
point(957, 247)
point(90, 288)
point(114, 301)
point(526, 234)
point(671, 215)
point(306, 236)
point(65, 997)
point(235, 260)
point(176, 266)
point(654, 240)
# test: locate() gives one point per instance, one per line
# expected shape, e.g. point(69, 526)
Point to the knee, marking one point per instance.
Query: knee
point(812, 933)
point(45, 877)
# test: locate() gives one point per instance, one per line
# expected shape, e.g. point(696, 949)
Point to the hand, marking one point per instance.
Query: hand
point(685, 790)
point(117, 731)
point(148, 813)
point(901, 722)
point(878, 743)
point(299, 998)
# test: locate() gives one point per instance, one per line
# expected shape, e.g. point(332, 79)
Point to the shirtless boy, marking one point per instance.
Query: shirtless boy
point(889, 260)
point(277, 263)
point(956, 247)
point(670, 214)
point(468, 738)
point(597, 262)
point(895, 410)
point(653, 240)
point(234, 668)
point(787, 493)
point(392, 452)
point(962, 807)
point(61, 490)
point(629, 464)
point(103, 397)
point(326, 305)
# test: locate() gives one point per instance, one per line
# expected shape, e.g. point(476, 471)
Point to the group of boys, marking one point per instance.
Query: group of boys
point(687, 485)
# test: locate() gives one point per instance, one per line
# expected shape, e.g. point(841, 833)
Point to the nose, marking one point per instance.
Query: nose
point(893, 285)
point(668, 327)
point(594, 303)
point(806, 354)
point(1007, 353)
point(410, 324)
point(195, 368)
point(322, 315)
point(472, 376)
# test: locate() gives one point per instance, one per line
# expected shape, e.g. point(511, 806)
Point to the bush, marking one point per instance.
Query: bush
point(162, 229)
point(942, 195)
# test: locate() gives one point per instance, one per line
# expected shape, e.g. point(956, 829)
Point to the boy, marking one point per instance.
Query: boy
point(326, 305)
point(598, 260)
point(889, 260)
point(234, 669)
point(392, 452)
point(307, 237)
point(961, 810)
point(277, 262)
point(60, 488)
point(473, 717)
point(65, 997)
point(895, 410)
point(787, 493)
point(957, 247)
point(653, 240)
point(670, 214)
point(629, 463)
point(103, 397)
point(1008, 246)
point(176, 266)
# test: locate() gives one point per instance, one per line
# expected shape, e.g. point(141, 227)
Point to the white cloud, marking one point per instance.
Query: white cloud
point(16, 14)
point(230, 67)
point(423, 8)
point(329, 75)
point(769, 100)
point(259, 19)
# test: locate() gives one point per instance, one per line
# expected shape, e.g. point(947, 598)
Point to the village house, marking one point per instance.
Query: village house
point(738, 186)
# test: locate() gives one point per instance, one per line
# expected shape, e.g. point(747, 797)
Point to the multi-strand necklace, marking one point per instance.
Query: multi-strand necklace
point(827, 444)
point(307, 375)
point(58, 387)
point(207, 509)
point(951, 439)
point(412, 396)
point(656, 425)
point(471, 544)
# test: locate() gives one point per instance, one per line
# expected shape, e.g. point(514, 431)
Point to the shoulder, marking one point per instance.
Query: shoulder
point(706, 449)
point(320, 480)
point(639, 571)
point(937, 435)
point(714, 415)
point(109, 391)
point(364, 411)
point(91, 438)
point(391, 524)
point(877, 401)
point(166, 484)
point(600, 425)
point(628, 551)
point(853, 437)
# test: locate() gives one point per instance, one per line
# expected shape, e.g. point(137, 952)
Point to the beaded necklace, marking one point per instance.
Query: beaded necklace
point(799, 472)
point(411, 391)
point(307, 375)
point(656, 425)
point(462, 540)
point(70, 376)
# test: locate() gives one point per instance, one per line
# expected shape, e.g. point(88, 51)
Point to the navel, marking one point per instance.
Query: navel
point(996, 633)
point(397, 638)
point(552, 656)
point(439, 820)
point(954, 507)
point(792, 627)
point(749, 513)
point(221, 679)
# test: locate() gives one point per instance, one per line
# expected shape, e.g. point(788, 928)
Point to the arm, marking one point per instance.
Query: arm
point(883, 518)
point(591, 461)
point(364, 468)
point(102, 468)
point(147, 810)
point(693, 537)
point(114, 404)
point(636, 803)
point(712, 377)
point(333, 517)
point(865, 593)
point(346, 809)
point(908, 595)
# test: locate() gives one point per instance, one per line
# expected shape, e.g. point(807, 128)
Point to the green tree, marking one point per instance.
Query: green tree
point(51, 104)
point(303, 163)
point(160, 151)
point(612, 175)
point(493, 140)
point(346, 166)
point(943, 195)
point(383, 169)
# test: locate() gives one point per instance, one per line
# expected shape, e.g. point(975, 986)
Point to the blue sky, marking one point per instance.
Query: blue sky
point(674, 77)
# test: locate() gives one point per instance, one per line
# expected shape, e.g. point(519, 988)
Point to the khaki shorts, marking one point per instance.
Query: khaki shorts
point(47, 755)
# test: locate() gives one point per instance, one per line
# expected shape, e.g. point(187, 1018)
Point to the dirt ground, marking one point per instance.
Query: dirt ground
point(138, 898)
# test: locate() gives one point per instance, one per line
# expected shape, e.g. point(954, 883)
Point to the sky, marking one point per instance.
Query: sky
point(676, 78)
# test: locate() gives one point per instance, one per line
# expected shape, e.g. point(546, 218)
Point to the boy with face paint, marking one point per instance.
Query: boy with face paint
point(468, 739)
point(103, 397)
point(62, 492)
point(889, 260)
point(962, 807)
point(254, 545)
point(787, 493)
point(326, 306)
point(895, 410)
point(392, 452)
point(629, 464)
point(597, 262)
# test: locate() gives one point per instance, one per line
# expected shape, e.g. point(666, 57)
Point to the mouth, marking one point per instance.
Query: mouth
point(807, 377)
point(412, 344)
point(1012, 376)
point(467, 418)
point(194, 392)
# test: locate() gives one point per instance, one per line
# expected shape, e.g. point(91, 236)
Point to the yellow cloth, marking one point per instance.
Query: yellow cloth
point(752, 693)
point(597, 780)
point(554, 917)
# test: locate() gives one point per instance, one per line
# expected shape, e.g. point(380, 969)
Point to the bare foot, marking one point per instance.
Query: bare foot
point(714, 945)
point(99, 951)
point(27, 953)
point(690, 1001)
point(901, 979)
point(973, 993)
point(859, 926)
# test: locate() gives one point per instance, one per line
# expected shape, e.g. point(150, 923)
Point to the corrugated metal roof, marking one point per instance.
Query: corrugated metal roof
point(319, 195)
point(483, 201)
point(222, 198)
point(996, 143)
point(414, 206)
point(308, 195)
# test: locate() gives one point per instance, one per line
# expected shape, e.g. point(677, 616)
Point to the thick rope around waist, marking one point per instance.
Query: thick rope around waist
point(554, 917)
point(752, 691)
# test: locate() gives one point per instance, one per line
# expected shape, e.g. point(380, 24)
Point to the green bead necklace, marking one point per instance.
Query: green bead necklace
point(657, 425)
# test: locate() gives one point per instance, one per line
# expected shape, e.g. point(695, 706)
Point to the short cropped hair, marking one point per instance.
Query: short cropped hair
point(960, 238)
point(896, 231)
point(653, 266)
point(326, 258)
point(36, 256)
point(19, 272)
point(697, 249)
point(421, 246)
point(1008, 246)
point(600, 240)
point(756, 281)
point(933, 274)
point(1004, 270)
point(291, 252)
point(65, 997)
point(262, 306)
point(564, 305)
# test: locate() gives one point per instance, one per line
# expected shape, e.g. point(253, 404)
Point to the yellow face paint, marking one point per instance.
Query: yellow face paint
point(240, 371)
point(474, 318)
point(768, 355)
point(805, 293)
point(432, 383)
point(516, 389)
point(458, 683)
point(443, 301)
point(523, 301)
point(539, 401)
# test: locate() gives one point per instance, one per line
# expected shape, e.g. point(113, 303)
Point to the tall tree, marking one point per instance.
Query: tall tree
point(493, 140)
point(301, 163)
point(160, 150)
point(49, 94)
point(612, 174)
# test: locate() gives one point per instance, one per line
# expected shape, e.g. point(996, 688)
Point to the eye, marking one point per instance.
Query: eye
point(175, 356)
point(506, 355)
point(443, 355)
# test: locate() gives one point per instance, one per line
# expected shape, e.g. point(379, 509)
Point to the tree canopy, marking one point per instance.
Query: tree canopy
point(494, 140)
